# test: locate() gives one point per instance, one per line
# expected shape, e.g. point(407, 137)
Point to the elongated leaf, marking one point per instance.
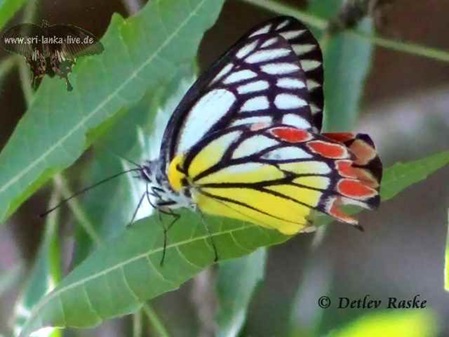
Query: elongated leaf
point(403, 175)
point(117, 278)
point(8, 8)
point(417, 323)
point(237, 280)
point(140, 54)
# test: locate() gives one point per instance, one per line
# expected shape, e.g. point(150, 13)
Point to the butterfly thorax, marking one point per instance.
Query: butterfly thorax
point(165, 193)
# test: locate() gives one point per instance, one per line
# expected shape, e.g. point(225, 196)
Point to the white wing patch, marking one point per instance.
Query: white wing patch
point(282, 24)
point(297, 121)
point(269, 42)
point(267, 55)
point(239, 76)
point(286, 153)
point(290, 83)
point(253, 145)
point(289, 101)
point(253, 87)
point(266, 120)
point(223, 72)
point(245, 50)
point(311, 84)
point(262, 30)
point(256, 103)
point(301, 49)
point(206, 112)
point(308, 65)
point(279, 68)
point(292, 34)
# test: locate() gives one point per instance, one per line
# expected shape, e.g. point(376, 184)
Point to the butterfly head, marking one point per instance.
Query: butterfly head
point(159, 187)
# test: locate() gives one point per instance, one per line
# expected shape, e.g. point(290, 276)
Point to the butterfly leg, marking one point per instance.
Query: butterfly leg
point(136, 210)
point(211, 238)
point(166, 229)
point(161, 210)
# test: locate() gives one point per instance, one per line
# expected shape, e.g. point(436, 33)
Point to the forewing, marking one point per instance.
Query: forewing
point(76, 41)
point(271, 75)
point(23, 39)
point(278, 176)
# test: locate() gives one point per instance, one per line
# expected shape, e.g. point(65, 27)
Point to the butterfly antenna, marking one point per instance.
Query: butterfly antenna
point(74, 195)
point(121, 157)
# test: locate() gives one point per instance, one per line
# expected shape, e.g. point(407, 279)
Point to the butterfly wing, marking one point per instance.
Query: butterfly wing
point(279, 176)
point(77, 41)
point(271, 75)
point(29, 35)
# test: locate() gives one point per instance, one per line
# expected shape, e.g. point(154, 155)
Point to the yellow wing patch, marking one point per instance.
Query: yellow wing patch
point(246, 173)
point(256, 207)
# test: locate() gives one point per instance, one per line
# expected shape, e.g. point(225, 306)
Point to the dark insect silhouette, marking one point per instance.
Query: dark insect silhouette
point(50, 49)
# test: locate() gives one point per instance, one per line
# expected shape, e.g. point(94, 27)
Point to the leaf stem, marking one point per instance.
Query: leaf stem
point(155, 321)
point(314, 21)
point(137, 324)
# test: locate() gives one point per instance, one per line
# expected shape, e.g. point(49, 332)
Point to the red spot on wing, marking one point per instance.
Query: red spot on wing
point(339, 136)
point(346, 170)
point(328, 150)
point(291, 135)
point(334, 210)
point(355, 189)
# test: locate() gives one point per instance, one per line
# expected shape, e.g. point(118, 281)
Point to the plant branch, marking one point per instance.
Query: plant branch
point(155, 321)
point(314, 21)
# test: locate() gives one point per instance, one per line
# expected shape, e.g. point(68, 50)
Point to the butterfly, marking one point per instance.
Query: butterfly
point(50, 49)
point(245, 141)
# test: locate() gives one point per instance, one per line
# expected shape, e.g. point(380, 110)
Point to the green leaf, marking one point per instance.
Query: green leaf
point(45, 275)
point(120, 276)
point(402, 175)
point(236, 283)
point(417, 323)
point(8, 8)
point(141, 53)
point(325, 9)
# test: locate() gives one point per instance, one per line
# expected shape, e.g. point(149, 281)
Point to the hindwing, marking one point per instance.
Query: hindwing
point(277, 176)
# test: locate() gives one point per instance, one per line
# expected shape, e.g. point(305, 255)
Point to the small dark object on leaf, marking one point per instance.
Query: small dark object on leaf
point(50, 49)
point(354, 11)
